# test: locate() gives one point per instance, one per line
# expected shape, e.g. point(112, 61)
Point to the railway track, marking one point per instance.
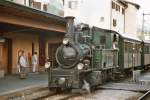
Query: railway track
point(45, 94)
point(60, 96)
point(31, 94)
point(146, 96)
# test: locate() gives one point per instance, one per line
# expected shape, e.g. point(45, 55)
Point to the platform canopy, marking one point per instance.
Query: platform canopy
point(16, 17)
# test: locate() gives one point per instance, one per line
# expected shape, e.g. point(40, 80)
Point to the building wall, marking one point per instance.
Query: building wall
point(97, 13)
point(23, 2)
point(130, 19)
point(74, 11)
point(119, 17)
point(100, 13)
point(3, 58)
point(51, 6)
point(53, 40)
point(90, 12)
point(23, 41)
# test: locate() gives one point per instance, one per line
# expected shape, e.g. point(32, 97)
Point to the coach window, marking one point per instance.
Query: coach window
point(102, 39)
point(146, 49)
point(114, 41)
point(130, 47)
point(126, 47)
point(102, 42)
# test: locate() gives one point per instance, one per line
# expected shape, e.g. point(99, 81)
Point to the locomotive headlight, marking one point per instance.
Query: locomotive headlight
point(61, 80)
point(65, 41)
point(47, 65)
point(80, 66)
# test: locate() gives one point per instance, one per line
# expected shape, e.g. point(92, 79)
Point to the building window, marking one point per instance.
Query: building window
point(102, 19)
point(113, 5)
point(117, 7)
point(31, 3)
point(63, 2)
point(37, 5)
point(123, 11)
point(114, 22)
point(45, 7)
point(72, 4)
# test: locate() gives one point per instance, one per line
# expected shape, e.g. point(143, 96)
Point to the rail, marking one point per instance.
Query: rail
point(146, 96)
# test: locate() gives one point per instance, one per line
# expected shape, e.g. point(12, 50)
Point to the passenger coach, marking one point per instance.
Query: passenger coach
point(129, 52)
point(145, 60)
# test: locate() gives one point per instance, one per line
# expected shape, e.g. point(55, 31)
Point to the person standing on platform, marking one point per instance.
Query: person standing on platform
point(34, 62)
point(23, 65)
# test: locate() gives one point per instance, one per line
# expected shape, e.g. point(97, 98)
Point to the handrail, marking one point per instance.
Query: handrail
point(107, 49)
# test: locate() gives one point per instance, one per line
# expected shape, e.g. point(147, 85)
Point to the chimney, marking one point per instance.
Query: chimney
point(70, 27)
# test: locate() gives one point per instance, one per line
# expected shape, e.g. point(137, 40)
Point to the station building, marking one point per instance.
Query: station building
point(28, 29)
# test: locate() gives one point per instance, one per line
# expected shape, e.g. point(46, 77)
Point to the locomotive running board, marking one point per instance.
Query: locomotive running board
point(126, 86)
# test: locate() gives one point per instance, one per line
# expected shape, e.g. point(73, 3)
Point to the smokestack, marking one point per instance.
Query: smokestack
point(70, 27)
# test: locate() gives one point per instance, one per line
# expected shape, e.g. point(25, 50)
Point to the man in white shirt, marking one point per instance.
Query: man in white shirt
point(23, 64)
point(34, 62)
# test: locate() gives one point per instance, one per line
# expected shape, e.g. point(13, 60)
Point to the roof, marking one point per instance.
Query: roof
point(123, 35)
point(147, 42)
point(6, 3)
point(123, 3)
point(130, 36)
point(104, 30)
point(132, 3)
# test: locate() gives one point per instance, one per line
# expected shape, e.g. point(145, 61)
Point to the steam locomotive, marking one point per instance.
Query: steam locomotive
point(89, 57)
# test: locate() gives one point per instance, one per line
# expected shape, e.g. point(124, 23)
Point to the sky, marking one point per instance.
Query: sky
point(144, 8)
point(145, 5)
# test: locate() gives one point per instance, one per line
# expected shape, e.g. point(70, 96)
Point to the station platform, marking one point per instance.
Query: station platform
point(12, 83)
point(143, 84)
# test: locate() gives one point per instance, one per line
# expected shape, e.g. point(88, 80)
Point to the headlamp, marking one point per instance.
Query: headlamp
point(65, 41)
point(47, 64)
point(80, 66)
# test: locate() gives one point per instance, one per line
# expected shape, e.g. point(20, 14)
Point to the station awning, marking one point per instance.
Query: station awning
point(16, 17)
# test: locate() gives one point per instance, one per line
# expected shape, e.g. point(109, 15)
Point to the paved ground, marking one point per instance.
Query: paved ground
point(13, 83)
point(109, 95)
